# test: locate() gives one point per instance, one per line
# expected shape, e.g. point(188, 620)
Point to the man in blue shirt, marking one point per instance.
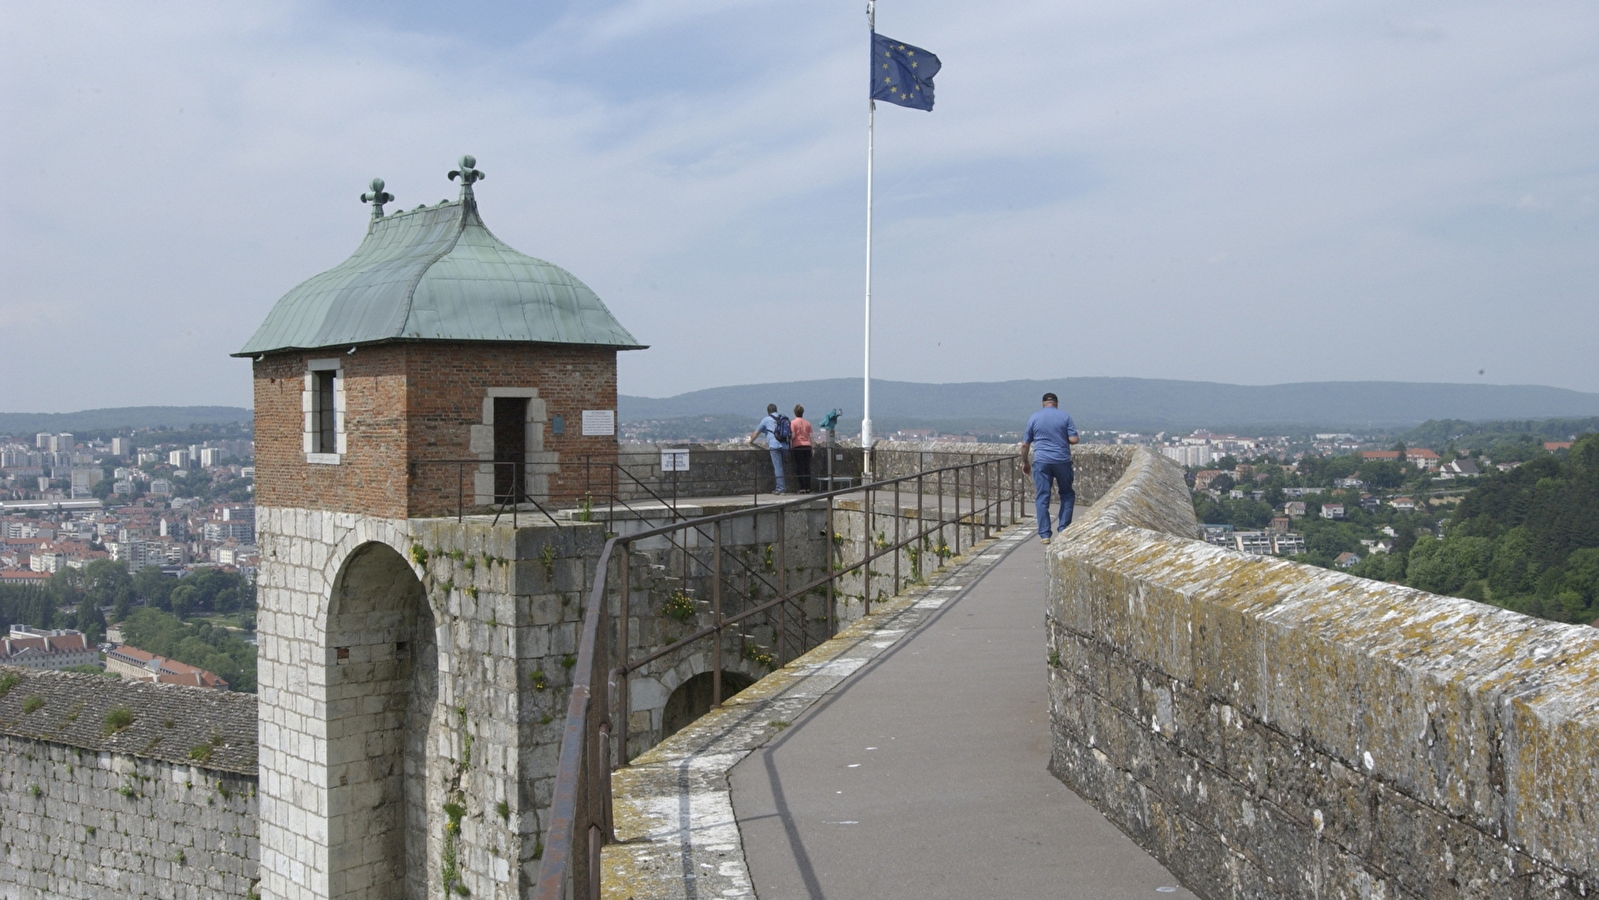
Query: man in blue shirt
point(1051, 464)
point(774, 444)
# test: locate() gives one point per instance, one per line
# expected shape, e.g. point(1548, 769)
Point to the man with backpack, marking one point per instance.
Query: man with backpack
point(779, 432)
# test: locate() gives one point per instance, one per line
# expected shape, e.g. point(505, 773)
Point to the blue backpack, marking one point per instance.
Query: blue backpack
point(783, 431)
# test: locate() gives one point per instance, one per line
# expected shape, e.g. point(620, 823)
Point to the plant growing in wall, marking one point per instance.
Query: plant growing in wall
point(419, 555)
point(32, 703)
point(547, 559)
point(9, 681)
point(679, 606)
point(759, 655)
point(118, 719)
point(538, 679)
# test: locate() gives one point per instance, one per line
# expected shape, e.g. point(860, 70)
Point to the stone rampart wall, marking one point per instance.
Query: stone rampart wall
point(715, 470)
point(114, 789)
point(1270, 729)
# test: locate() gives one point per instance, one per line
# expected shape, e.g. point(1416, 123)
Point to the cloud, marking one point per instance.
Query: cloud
point(1247, 192)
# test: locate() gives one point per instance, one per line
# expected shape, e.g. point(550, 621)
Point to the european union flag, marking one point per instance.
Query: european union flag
point(901, 73)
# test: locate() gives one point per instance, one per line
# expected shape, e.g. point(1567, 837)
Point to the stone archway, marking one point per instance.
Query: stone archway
point(382, 672)
point(692, 699)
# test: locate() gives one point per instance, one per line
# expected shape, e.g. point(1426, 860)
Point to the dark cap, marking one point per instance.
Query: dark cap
point(1051, 398)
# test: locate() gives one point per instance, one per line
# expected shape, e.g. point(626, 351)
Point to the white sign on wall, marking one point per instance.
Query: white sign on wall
point(599, 422)
point(674, 460)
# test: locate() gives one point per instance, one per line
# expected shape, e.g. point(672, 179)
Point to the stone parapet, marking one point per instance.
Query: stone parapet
point(1271, 729)
point(115, 789)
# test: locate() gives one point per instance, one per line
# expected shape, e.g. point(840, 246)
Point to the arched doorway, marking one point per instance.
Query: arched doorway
point(382, 690)
point(692, 699)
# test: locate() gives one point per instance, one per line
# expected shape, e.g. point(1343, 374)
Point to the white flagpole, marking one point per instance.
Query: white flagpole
point(871, 108)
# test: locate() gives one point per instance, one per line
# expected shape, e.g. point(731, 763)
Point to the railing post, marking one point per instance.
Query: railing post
point(595, 842)
point(832, 553)
point(782, 591)
point(957, 510)
point(624, 599)
point(941, 515)
point(460, 493)
point(898, 513)
point(607, 766)
point(921, 525)
point(716, 617)
point(866, 576)
point(988, 500)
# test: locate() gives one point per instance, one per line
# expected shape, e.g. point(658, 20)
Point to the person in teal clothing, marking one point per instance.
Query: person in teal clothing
point(1051, 463)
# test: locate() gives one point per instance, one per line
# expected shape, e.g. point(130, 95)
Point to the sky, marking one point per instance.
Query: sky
point(1244, 192)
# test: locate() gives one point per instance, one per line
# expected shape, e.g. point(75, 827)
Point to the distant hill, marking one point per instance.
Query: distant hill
point(1135, 404)
point(28, 424)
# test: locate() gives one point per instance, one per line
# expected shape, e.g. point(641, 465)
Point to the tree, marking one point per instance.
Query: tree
point(90, 621)
point(1382, 473)
point(216, 650)
point(1446, 566)
point(1512, 570)
point(153, 586)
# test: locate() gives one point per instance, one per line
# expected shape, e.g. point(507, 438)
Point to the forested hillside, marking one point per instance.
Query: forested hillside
point(1527, 539)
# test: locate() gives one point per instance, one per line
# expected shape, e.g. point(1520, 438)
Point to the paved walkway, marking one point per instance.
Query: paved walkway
point(904, 758)
point(923, 774)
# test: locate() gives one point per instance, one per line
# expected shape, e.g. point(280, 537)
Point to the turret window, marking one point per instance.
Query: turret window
point(322, 402)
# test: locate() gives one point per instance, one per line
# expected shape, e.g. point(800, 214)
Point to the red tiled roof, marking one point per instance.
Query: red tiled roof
point(64, 643)
point(167, 671)
point(23, 575)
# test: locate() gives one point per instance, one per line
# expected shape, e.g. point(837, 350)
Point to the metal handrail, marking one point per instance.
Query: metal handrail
point(512, 501)
point(580, 813)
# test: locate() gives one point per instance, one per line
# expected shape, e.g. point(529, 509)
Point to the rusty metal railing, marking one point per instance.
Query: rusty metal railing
point(509, 495)
point(969, 499)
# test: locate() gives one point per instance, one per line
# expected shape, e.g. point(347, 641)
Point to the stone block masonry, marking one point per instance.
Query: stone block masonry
point(1270, 729)
point(413, 677)
point(115, 789)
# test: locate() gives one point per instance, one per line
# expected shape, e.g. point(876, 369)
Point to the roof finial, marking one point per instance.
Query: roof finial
point(377, 197)
point(466, 173)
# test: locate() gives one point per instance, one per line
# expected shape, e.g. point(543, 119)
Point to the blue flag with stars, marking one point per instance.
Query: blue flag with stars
point(901, 73)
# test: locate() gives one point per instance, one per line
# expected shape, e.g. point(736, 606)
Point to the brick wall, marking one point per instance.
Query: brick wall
point(406, 402)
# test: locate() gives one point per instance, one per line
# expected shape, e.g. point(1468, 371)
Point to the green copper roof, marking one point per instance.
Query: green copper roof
point(436, 273)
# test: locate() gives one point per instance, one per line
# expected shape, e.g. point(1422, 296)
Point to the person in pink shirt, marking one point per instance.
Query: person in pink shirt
point(800, 449)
